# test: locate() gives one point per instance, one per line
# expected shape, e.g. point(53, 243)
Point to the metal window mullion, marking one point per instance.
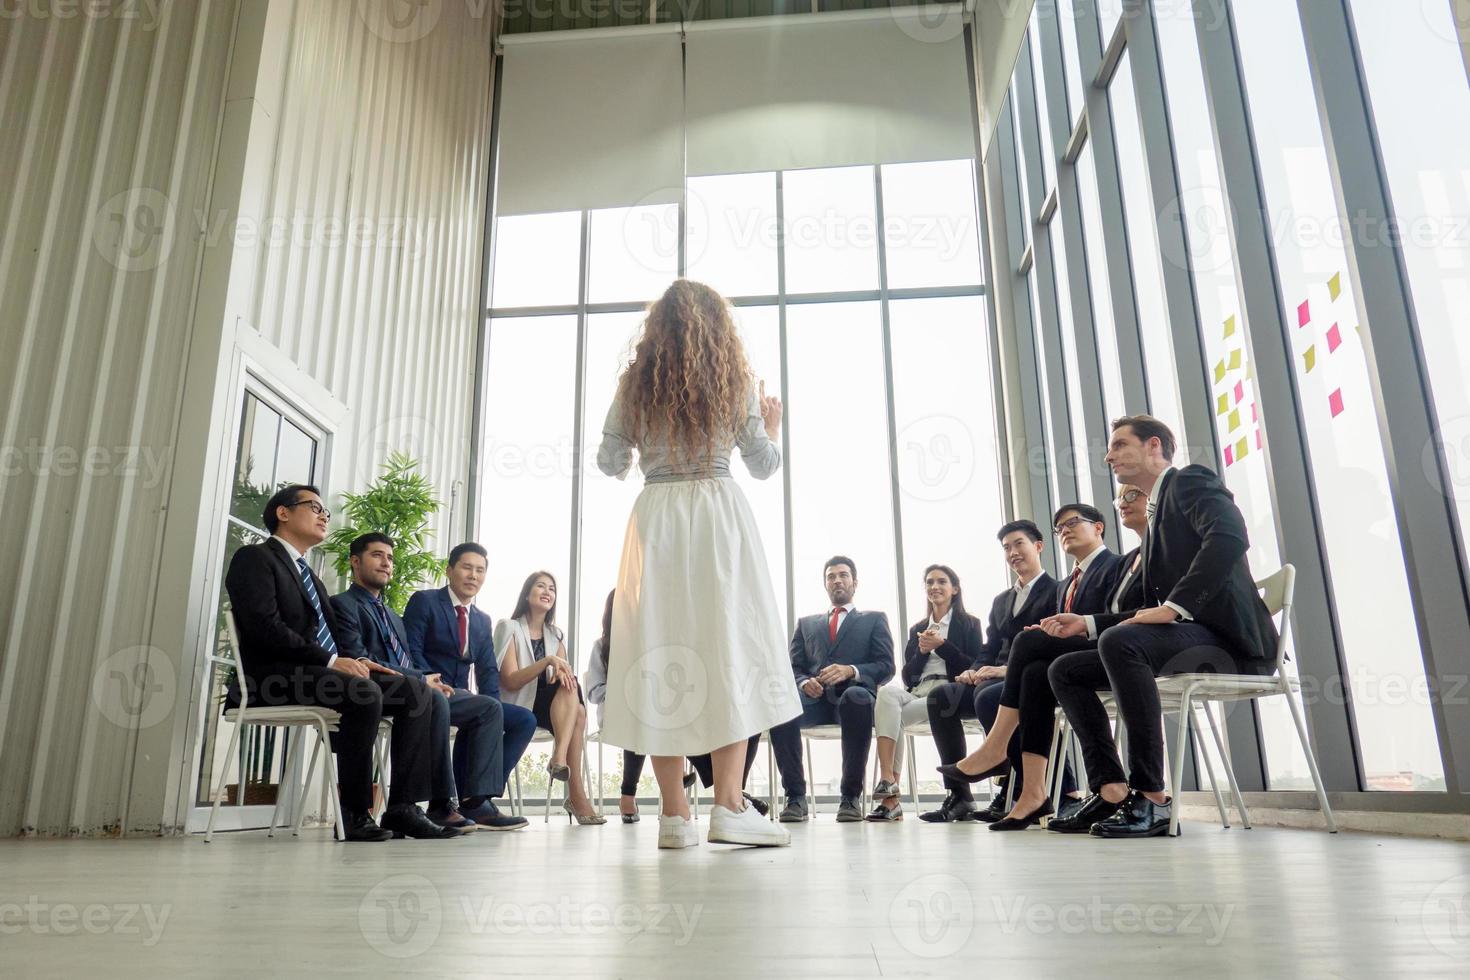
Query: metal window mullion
point(1429, 528)
point(785, 400)
point(574, 574)
point(1289, 473)
point(895, 486)
point(483, 300)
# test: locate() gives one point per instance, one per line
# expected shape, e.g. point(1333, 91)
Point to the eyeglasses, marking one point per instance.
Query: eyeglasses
point(316, 508)
point(1128, 496)
point(1072, 522)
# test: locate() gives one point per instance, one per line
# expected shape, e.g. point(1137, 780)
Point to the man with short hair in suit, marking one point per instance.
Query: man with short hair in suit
point(464, 778)
point(447, 635)
point(840, 658)
point(1027, 704)
point(293, 651)
point(975, 692)
point(1202, 614)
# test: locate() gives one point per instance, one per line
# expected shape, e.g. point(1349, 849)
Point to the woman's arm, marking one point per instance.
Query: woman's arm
point(615, 455)
point(513, 677)
point(756, 443)
point(595, 680)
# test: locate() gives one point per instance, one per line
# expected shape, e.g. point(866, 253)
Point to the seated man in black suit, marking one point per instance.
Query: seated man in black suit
point(1031, 598)
point(840, 658)
point(1203, 614)
point(1026, 700)
point(291, 650)
point(465, 778)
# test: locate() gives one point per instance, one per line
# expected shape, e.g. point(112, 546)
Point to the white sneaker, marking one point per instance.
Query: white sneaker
point(676, 832)
point(745, 827)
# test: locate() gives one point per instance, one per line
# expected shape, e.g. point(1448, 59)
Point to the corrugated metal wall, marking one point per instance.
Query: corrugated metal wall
point(108, 132)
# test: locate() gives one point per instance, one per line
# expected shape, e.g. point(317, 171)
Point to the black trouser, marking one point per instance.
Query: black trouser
point(1028, 689)
point(1127, 660)
point(633, 766)
point(949, 706)
point(362, 702)
point(474, 765)
point(852, 708)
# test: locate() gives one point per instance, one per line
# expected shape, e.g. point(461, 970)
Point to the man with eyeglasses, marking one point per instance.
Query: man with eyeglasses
point(1027, 703)
point(295, 650)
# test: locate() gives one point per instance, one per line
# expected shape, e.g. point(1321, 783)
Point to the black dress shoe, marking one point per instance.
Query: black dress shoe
point(761, 806)
point(1080, 820)
point(360, 827)
point(689, 778)
point(995, 811)
point(1137, 816)
point(1025, 820)
point(951, 810)
point(407, 820)
point(953, 771)
point(848, 811)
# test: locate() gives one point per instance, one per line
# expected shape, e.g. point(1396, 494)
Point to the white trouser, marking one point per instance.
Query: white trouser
point(897, 709)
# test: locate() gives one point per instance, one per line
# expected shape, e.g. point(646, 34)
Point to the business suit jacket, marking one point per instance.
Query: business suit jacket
point(864, 641)
point(273, 613)
point(1126, 593)
point(1094, 588)
point(1195, 556)
point(433, 640)
point(1005, 627)
point(959, 651)
point(365, 635)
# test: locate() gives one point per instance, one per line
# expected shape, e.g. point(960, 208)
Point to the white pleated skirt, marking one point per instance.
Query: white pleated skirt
point(698, 656)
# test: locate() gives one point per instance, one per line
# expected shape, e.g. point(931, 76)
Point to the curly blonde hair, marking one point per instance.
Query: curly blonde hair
point(688, 382)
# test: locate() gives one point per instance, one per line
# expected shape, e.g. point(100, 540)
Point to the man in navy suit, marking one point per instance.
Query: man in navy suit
point(462, 778)
point(840, 658)
point(448, 636)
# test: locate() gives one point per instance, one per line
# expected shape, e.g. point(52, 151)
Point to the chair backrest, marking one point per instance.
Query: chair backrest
point(232, 645)
point(1278, 590)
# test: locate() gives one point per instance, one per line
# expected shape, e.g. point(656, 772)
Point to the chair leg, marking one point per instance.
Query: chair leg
point(1210, 766)
point(331, 780)
point(1054, 760)
point(1301, 734)
point(811, 779)
point(306, 784)
point(1223, 748)
point(912, 771)
point(1176, 770)
point(599, 777)
point(771, 776)
point(287, 789)
point(219, 792)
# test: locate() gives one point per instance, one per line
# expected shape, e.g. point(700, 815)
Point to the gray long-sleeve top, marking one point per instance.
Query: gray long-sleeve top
point(663, 463)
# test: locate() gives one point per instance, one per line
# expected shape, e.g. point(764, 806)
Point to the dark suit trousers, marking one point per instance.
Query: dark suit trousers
point(852, 709)
point(362, 703)
point(1027, 688)
point(469, 770)
point(1127, 660)
point(520, 727)
point(703, 764)
point(949, 705)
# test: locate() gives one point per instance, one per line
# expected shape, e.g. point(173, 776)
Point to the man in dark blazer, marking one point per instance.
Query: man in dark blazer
point(1030, 599)
point(840, 658)
point(449, 636)
point(1202, 614)
point(464, 779)
point(295, 650)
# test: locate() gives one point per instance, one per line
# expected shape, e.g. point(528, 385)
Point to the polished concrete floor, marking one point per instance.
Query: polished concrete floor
point(843, 900)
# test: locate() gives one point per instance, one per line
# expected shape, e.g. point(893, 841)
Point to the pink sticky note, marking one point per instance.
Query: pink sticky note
point(1334, 338)
point(1304, 313)
point(1258, 438)
point(1334, 401)
point(1239, 392)
point(1255, 416)
point(1229, 456)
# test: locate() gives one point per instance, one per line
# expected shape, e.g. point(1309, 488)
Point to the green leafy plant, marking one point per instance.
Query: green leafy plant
point(399, 504)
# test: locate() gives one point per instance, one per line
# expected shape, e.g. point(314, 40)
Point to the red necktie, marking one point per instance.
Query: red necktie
point(464, 630)
point(832, 625)
point(1072, 589)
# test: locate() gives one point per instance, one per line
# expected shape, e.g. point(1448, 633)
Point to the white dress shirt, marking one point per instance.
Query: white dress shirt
point(1021, 593)
point(934, 666)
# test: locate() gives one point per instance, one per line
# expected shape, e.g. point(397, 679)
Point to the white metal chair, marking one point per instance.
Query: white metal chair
point(322, 721)
point(823, 733)
point(595, 738)
point(972, 727)
point(1181, 692)
point(517, 799)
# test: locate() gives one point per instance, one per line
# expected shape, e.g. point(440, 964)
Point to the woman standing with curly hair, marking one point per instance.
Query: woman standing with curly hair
point(702, 662)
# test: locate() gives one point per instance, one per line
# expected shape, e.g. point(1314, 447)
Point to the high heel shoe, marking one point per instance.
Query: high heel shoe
point(630, 818)
point(1025, 820)
point(952, 770)
point(583, 819)
point(555, 771)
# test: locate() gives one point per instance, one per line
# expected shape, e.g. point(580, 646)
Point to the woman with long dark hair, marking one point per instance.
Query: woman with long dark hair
point(535, 673)
point(702, 663)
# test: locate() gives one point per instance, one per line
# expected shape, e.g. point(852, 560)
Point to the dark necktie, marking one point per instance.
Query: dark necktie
point(323, 634)
point(400, 656)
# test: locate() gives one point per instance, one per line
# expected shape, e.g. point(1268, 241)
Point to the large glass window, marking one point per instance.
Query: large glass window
point(1097, 275)
point(1380, 640)
point(831, 230)
point(929, 224)
point(1038, 74)
point(1066, 14)
point(1071, 363)
point(732, 233)
point(536, 260)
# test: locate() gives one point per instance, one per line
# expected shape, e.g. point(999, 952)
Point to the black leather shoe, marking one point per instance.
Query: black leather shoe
point(848, 811)
point(761, 806)
point(1080, 820)
point(360, 827)
point(995, 811)
point(795, 811)
point(487, 816)
point(407, 820)
point(1025, 820)
point(1138, 816)
point(953, 771)
point(952, 809)
point(689, 778)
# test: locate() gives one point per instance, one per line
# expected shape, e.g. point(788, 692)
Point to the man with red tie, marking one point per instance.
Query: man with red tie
point(448, 636)
point(840, 658)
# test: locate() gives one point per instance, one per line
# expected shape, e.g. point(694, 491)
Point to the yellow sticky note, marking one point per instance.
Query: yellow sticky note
point(1241, 448)
point(1219, 372)
point(1234, 419)
point(1235, 359)
point(1309, 358)
point(1230, 327)
point(1334, 286)
point(1222, 404)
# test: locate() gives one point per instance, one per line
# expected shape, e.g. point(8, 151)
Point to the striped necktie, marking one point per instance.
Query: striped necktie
point(381, 612)
point(323, 634)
